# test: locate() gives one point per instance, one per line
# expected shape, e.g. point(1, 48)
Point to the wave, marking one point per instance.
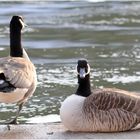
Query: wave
point(107, 0)
point(44, 119)
point(66, 0)
point(123, 79)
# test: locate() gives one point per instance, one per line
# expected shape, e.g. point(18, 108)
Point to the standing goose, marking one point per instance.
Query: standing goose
point(17, 73)
point(100, 110)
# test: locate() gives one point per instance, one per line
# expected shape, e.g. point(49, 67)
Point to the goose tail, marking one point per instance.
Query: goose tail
point(137, 124)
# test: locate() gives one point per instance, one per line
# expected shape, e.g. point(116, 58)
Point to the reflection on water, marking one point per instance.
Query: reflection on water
point(59, 33)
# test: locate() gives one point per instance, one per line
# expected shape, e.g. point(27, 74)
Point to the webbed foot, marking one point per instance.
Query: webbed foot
point(14, 121)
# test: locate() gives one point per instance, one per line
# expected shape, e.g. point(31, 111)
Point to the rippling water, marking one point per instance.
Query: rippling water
point(59, 33)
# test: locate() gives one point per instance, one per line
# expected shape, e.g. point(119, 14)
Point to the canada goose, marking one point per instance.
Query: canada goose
point(17, 73)
point(99, 110)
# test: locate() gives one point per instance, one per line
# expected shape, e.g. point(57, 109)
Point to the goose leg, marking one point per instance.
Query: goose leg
point(14, 121)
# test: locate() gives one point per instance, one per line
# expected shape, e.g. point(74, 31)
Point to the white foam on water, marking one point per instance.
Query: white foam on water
point(37, 0)
point(44, 119)
point(95, 0)
point(123, 79)
point(1, 49)
point(105, 0)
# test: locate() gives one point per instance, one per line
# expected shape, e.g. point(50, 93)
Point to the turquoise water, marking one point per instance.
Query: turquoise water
point(59, 33)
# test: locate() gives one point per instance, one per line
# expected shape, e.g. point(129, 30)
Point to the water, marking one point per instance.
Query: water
point(59, 33)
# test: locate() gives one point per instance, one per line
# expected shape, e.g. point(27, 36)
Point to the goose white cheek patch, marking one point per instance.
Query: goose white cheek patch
point(22, 23)
point(82, 73)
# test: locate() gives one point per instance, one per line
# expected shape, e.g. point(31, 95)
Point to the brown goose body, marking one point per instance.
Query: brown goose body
point(110, 110)
point(21, 74)
point(99, 110)
point(17, 73)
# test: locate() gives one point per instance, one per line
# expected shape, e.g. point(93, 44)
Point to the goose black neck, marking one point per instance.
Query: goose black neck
point(15, 43)
point(84, 86)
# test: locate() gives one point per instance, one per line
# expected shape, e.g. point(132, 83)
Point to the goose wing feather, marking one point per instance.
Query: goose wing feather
point(113, 110)
point(105, 99)
point(18, 71)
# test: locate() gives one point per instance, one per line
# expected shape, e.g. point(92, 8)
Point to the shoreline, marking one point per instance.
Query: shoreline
point(57, 131)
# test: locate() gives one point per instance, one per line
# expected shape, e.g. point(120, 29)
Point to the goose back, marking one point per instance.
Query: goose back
point(21, 74)
point(112, 110)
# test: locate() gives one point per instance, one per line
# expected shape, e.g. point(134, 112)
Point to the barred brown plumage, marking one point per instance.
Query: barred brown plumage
point(120, 107)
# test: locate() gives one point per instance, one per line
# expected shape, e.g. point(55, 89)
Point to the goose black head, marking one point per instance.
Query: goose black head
point(83, 73)
point(83, 68)
point(17, 23)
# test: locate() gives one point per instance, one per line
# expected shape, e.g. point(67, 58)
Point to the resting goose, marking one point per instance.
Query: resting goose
point(99, 110)
point(17, 72)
